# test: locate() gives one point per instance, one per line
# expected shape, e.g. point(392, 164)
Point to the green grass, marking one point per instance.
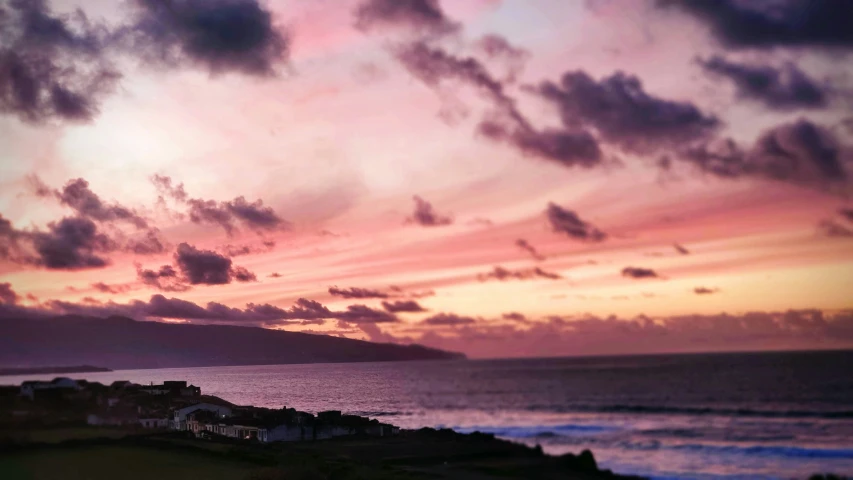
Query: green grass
point(56, 435)
point(127, 463)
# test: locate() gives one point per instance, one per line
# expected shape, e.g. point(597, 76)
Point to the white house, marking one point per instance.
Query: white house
point(179, 418)
point(28, 389)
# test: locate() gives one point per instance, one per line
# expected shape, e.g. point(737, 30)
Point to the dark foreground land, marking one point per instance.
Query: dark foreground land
point(97, 453)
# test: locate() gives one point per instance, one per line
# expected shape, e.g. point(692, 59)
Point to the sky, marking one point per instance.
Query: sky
point(496, 177)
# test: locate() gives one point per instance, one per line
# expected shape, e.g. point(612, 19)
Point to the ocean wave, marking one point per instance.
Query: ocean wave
point(674, 410)
point(756, 450)
point(538, 431)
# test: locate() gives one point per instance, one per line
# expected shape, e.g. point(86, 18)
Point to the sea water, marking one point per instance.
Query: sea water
point(744, 415)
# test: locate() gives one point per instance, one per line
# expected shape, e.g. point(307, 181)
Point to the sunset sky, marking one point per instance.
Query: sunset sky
point(497, 177)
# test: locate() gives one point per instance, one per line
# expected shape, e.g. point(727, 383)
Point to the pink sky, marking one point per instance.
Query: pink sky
point(341, 136)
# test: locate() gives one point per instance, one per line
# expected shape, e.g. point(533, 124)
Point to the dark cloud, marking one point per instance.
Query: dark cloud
point(567, 147)
point(165, 279)
point(203, 266)
point(239, 250)
point(833, 229)
point(426, 215)
point(783, 88)
point(566, 221)
point(197, 267)
point(77, 195)
point(846, 213)
point(72, 243)
point(527, 247)
point(434, 66)
point(623, 113)
point(420, 15)
point(151, 243)
point(515, 317)
point(637, 272)
point(51, 66)
point(241, 274)
point(165, 187)
point(496, 47)
point(7, 294)
point(403, 306)
point(364, 314)
point(680, 249)
point(107, 288)
point(783, 23)
point(448, 320)
point(801, 152)
point(705, 290)
point(356, 292)
point(253, 215)
point(503, 274)
point(215, 35)
point(275, 275)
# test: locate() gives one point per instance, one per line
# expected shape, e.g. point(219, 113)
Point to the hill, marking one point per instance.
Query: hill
point(123, 343)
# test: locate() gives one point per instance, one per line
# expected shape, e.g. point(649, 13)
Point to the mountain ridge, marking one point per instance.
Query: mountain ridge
point(122, 343)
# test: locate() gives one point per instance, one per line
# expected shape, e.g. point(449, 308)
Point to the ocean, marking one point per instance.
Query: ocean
point(710, 416)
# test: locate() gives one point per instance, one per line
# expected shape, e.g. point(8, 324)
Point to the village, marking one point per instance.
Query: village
point(172, 405)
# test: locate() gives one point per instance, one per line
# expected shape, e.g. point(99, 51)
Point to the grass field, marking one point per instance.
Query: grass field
point(127, 463)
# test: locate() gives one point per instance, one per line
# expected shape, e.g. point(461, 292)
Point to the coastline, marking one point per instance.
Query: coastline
point(14, 371)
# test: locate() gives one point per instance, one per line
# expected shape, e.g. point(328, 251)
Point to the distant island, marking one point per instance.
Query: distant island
point(41, 370)
point(122, 343)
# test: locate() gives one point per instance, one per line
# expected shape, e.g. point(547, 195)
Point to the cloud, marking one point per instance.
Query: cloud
point(107, 288)
point(356, 292)
point(403, 306)
point(800, 152)
point(448, 320)
point(275, 275)
point(846, 213)
point(680, 249)
point(590, 335)
point(496, 47)
point(833, 229)
point(419, 15)
point(783, 88)
point(433, 66)
point(239, 250)
point(303, 311)
point(503, 274)
point(165, 279)
point(72, 243)
point(527, 247)
point(164, 186)
point(215, 35)
point(241, 274)
point(515, 317)
point(77, 195)
point(7, 294)
point(51, 66)
point(765, 25)
point(363, 314)
point(566, 221)
point(206, 267)
point(151, 243)
point(638, 272)
point(426, 215)
point(705, 290)
point(254, 215)
point(623, 113)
